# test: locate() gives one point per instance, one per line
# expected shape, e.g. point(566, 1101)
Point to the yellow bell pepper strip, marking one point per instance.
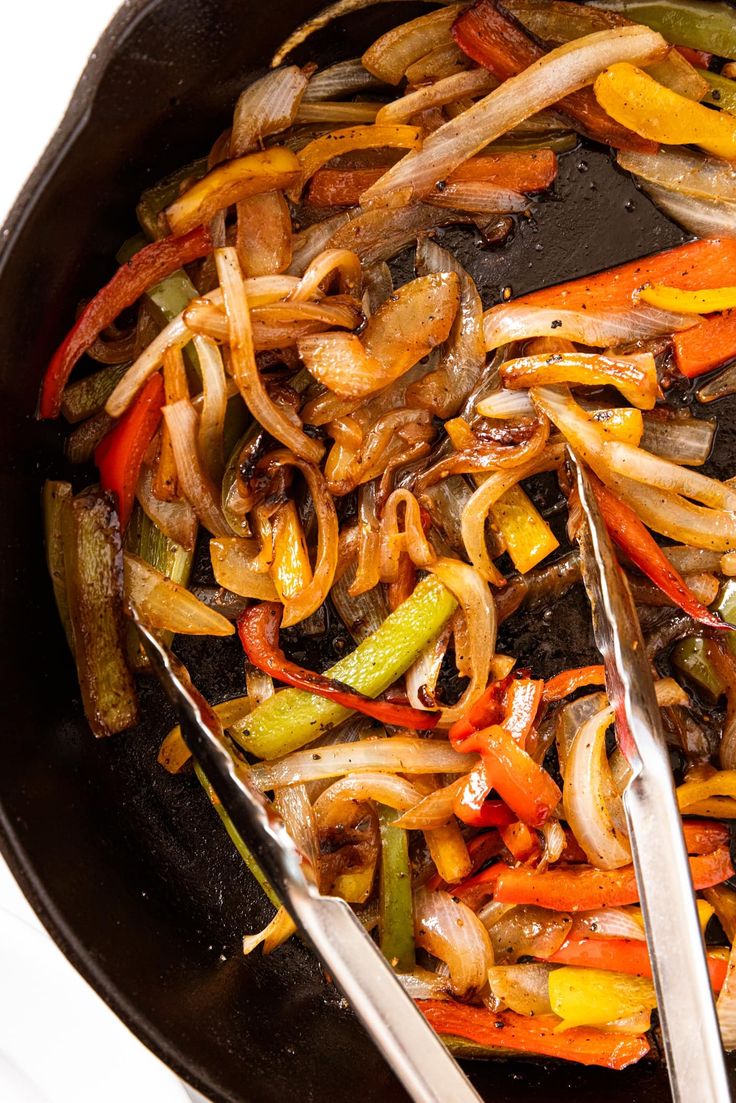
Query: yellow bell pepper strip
point(623, 956)
point(324, 148)
point(593, 997)
point(396, 909)
point(512, 1033)
point(294, 717)
point(709, 301)
point(526, 534)
point(267, 170)
point(692, 793)
point(291, 570)
point(722, 91)
point(174, 754)
point(620, 423)
point(634, 99)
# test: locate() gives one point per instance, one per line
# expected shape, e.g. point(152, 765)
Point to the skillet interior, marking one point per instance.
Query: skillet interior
point(127, 867)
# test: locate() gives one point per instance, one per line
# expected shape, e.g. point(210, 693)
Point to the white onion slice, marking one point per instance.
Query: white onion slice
point(167, 605)
point(176, 519)
point(311, 242)
point(685, 440)
point(214, 406)
point(234, 566)
point(342, 79)
point(174, 335)
point(434, 810)
point(399, 754)
point(683, 170)
point(607, 923)
point(548, 80)
point(273, 934)
point(341, 802)
point(726, 1004)
point(706, 218)
point(265, 107)
point(588, 790)
point(522, 988)
point(643, 467)
point(505, 404)
point(449, 930)
point(479, 609)
point(473, 82)
point(196, 485)
point(423, 984)
point(520, 321)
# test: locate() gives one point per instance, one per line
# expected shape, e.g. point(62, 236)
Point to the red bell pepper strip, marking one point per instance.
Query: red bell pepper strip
point(623, 955)
point(258, 628)
point(701, 59)
point(505, 1030)
point(472, 807)
point(689, 267)
point(562, 685)
point(119, 455)
point(584, 888)
point(488, 709)
point(628, 532)
point(147, 267)
point(522, 783)
point(706, 345)
point(522, 172)
point(501, 45)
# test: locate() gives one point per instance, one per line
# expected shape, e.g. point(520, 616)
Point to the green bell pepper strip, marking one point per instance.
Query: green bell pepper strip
point(80, 445)
point(93, 560)
point(722, 91)
point(56, 501)
point(236, 840)
point(396, 911)
point(88, 396)
point(294, 717)
point(691, 655)
point(708, 25)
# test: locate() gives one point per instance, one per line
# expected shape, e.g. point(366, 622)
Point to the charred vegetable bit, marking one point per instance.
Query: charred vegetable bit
point(378, 467)
point(93, 560)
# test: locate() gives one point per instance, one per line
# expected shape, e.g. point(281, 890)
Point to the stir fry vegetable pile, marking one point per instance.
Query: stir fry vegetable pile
point(330, 442)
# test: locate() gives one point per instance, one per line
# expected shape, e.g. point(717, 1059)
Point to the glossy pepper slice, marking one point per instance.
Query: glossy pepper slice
point(147, 267)
point(292, 718)
point(636, 100)
point(701, 24)
point(119, 455)
point(258, 628)
point(628, 532)
point(501, 45)
point(507, 1031)
point(708, 301)
point(623, 955)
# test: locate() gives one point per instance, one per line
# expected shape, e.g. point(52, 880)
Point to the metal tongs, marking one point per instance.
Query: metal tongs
point(687, 1013)
point(348, 953)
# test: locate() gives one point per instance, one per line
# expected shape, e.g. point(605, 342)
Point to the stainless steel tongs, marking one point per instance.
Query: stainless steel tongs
point(401, 1033)
point(687, 1014)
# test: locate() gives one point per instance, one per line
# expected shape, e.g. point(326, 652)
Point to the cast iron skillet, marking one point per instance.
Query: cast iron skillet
point(127, 867)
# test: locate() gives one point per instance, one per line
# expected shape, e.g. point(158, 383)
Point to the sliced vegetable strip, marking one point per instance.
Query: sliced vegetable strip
point(501, 45)
point(145, 268)
point(119, 455)
point(623, 955)
point(636, 541)
point(292, 718)
point(258, 628)
point(584, 888)
point(710, 343)
point(569, 680)
point(508, 1031)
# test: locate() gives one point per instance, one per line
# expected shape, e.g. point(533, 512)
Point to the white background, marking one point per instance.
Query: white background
point(44, 45)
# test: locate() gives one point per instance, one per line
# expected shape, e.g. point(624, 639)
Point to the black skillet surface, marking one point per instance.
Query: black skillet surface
point(127, 867)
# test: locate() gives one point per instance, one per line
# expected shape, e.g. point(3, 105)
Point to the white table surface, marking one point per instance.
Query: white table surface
point(43, 48)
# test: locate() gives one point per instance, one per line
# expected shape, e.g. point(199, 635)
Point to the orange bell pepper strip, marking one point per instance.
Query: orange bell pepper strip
point(705, 836)
point(701, 59)
point(526, 172)
point(147, 267)
point(562, 685)
point(488, 709)
point(520, 841)
point(506, 1031)
point(502, 46)
point(522, 783)
point(584, 888)
point(688, 267)
point(629, 534)
point(119, 455)
point(623, 955)
point(709, 343)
